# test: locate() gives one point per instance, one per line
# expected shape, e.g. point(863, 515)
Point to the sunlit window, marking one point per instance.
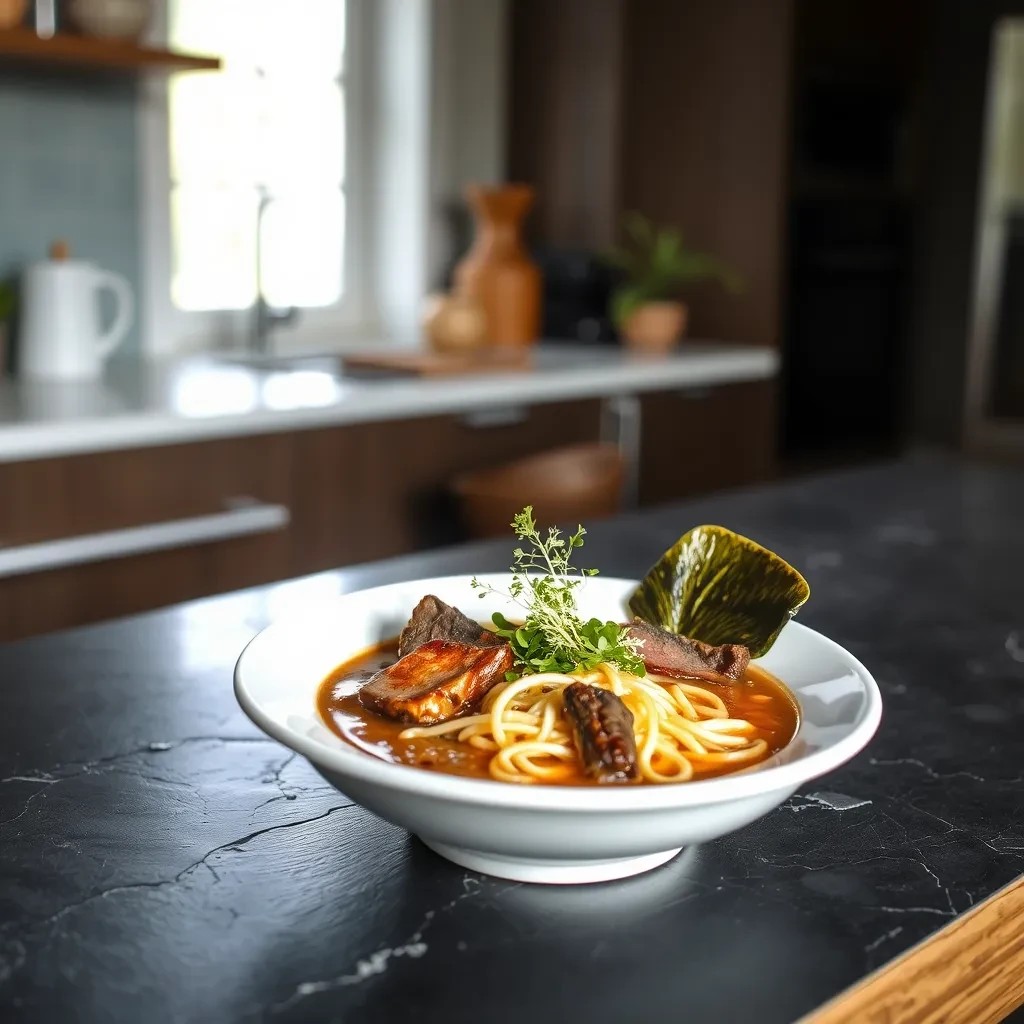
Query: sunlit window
point(257, 154)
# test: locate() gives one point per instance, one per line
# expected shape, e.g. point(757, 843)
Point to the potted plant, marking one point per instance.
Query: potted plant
point(8, 299)
point(656, 267)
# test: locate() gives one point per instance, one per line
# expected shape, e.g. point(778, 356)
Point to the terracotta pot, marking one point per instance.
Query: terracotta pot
point(655, 326)
point(454, 323)
point(497, 270)
point(12, 13)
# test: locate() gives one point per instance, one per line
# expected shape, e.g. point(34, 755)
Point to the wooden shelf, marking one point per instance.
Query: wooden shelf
point(24, 47)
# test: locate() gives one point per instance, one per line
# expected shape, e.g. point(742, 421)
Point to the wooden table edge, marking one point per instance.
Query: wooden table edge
point(969, 972)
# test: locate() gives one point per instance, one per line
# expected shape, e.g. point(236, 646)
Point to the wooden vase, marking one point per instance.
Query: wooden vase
point(12, 13)
point(497, 270)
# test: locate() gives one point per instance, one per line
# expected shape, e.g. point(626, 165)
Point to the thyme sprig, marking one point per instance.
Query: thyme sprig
point(553, 637)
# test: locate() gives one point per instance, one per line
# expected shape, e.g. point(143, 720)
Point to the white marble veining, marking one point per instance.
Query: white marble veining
point(139, 404)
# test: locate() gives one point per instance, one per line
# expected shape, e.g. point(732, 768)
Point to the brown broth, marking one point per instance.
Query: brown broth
point(775, 719)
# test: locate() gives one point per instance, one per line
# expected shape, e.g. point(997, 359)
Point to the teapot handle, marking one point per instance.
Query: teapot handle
point(124, 315)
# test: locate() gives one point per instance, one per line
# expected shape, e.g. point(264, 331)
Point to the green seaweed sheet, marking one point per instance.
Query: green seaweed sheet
point(715, 586)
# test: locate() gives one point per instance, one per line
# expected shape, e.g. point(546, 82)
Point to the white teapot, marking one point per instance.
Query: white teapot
point(60, 334)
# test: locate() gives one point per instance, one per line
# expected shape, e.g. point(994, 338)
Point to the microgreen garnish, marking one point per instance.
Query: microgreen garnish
point(553, 637)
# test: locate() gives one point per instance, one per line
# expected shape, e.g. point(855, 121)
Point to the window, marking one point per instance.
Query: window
point(257, 155)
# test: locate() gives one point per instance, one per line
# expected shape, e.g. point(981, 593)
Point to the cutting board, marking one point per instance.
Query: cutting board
point(423, 363)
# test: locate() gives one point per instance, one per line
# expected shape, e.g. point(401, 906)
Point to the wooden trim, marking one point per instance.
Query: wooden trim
point(705, 108)
point(970, 972)
point(86, 53)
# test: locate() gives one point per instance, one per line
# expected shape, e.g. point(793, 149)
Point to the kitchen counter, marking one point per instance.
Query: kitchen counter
point(139, 404)
point(161, 860)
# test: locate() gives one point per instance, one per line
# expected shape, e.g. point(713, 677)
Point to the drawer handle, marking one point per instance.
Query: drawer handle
point(498, 416)
point(241, 517)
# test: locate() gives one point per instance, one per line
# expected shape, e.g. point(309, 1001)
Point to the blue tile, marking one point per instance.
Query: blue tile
point(69, 169)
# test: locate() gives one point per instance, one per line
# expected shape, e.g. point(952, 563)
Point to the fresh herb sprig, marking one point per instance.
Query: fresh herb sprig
point(553, 637)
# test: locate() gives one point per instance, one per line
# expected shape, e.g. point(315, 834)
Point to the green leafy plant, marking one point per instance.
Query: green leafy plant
point(8, 300)
point(553, 637)
point(657, 265)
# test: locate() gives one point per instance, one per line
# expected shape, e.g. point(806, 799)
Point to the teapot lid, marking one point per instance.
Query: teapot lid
point(59, 255)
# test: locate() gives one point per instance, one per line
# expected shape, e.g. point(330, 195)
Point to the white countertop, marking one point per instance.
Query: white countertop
point(140, 404)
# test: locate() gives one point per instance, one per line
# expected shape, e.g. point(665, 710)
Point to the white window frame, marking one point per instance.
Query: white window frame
point(168, 330)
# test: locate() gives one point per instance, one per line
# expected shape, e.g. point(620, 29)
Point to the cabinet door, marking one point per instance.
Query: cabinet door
point(373, 490)
point(172, 523)
point(698, 440)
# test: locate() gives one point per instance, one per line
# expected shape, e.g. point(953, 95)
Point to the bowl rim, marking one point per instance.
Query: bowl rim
point(349, 762)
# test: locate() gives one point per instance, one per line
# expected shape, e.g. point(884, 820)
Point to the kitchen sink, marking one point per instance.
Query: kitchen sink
point(271, 362)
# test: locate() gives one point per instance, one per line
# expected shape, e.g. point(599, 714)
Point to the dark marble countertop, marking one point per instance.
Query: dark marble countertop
point(160, 860)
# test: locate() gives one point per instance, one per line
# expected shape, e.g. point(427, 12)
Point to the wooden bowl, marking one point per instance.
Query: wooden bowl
point(565, 486)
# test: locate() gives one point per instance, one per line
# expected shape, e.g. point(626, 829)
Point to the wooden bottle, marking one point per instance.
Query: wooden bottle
point(498, 270)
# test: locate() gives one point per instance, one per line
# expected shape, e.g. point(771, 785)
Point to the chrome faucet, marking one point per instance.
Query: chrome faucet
point(265, 316)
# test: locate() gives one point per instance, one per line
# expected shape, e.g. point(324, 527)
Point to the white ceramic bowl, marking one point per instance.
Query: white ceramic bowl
point(544, 833)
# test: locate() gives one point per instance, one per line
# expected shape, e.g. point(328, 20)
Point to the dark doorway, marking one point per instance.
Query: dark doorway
point(851, 208)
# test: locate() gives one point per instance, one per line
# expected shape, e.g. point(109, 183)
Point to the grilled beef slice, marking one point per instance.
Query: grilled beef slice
point(437, 681)
point(669, 654)
point(432, 619)
point(603, 728)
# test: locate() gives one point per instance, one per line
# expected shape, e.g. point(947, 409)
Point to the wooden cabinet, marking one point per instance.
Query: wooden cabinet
point(371, 490)
point(84, 494)
point(189, 520)
point(677, 109)
point(177, 522)
point(699, 440)
point(183, 521)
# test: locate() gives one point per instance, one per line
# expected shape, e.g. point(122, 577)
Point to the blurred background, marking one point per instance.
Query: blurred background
point(215, 212)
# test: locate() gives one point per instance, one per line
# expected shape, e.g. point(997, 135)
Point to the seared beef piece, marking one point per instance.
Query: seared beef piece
point(603, 727)
point(669, 654)
point(436, 681)
point(432, 619)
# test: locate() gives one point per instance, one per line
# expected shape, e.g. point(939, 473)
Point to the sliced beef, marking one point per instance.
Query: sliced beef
point(432, 619)
point(668, 654)
point(603, 727)
point(437, 681)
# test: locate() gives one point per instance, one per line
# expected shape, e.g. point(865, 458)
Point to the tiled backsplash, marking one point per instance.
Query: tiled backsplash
point(68, 170)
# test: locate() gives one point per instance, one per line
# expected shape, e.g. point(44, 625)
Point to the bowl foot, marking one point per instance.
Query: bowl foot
point(550, 872)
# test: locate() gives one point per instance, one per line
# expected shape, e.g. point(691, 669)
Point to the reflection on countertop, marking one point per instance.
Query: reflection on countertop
point(139, 403)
